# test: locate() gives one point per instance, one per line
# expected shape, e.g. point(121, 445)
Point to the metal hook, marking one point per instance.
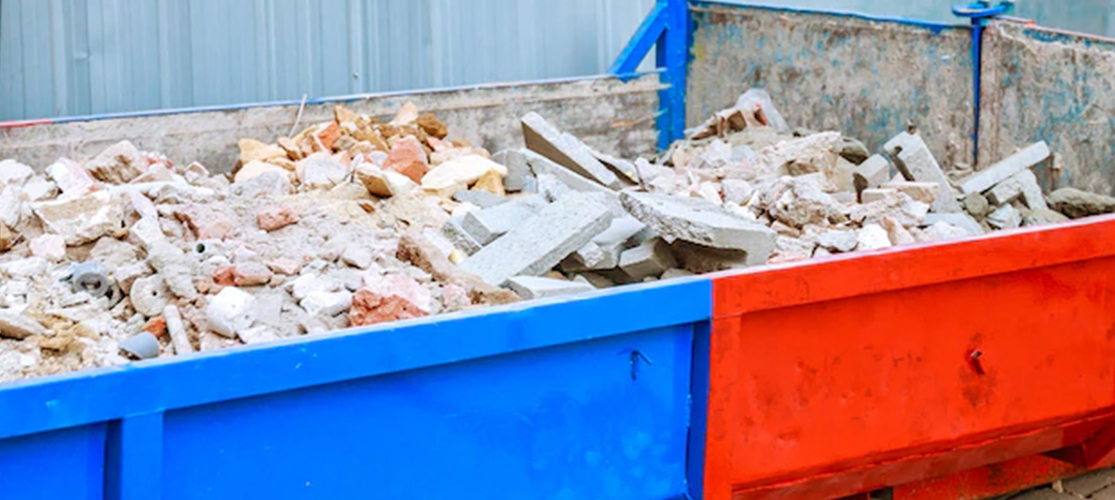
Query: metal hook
point(636, 355)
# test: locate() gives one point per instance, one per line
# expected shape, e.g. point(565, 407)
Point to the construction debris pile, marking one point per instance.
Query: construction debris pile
point(356, 222)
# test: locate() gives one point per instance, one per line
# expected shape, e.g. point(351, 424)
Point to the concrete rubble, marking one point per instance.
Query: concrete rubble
point(362, 220)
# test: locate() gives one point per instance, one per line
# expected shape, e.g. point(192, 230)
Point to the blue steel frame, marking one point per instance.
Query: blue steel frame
point(668, 27)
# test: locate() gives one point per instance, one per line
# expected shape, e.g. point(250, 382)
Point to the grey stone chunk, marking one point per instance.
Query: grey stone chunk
point(1078, 204)
point(19, 327)
point(542, 166)
point(838, 241)
point(1043, 218)
point(488, 224)
point(650, 259)
point(482, 199)
point(568, 151)
point(1023, 185)
point(916, 163)
point(1026, 159)
point(962, 221)
point(460, 238)
point(1005, 217)
point(872, 173)
point(977, 205)
point(519, 176)
point(535, 247)
point(701, 222)
point(531, 287)
point(1089, 484)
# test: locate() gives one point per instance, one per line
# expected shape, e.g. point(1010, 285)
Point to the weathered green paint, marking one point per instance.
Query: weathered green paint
point(1045, 85)
point(864, 77)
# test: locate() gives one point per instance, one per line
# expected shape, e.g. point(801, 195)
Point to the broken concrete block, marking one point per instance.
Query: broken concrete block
point(392, 298)
point(491, 182)
point(898, 235)
point(71, 178)
point(18, 327)
point(118, 164)
point(275, 217)
point(568, 151)
point(924, 192)
point(962, 221)
point(916, 163)
point(82, 220)
point(736, 191)
point(458, 174)
point(604, 251)
point(650, 259)
point(624, 170)
point(531, 287)
point(873, 237)
point(535, 247)
point(51, 247)
point(357, 255)
point(485, 226)
point(230, 311)
point(796, 201)
point(700, 222)
point(321, 171)
point(455, 232)
point(758, 101)
point(894, 204)
point(1022, 185)
point(838, 241)
point(267, 184)
point(1026, 159)
point(408, 158)
point(14, 173)
point(1078, 204)
point(789, 249)
point(517, 169)
point(1005, 217)
point(876, 194)
point(482, 199)
point(702, 259)
point(319, 303)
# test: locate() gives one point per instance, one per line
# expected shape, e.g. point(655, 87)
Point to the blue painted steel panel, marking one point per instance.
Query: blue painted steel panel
point(60, 464)
point(567, 422)
point(578, 398)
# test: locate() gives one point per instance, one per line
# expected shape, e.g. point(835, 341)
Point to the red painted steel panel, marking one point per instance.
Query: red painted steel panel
point(987, 482)
point(836, 377)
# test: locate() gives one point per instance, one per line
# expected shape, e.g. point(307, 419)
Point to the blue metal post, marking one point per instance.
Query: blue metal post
point(667, 26)
point(980, 12)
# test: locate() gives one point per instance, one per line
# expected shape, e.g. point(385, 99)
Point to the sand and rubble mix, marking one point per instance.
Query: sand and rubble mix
point(131, 255)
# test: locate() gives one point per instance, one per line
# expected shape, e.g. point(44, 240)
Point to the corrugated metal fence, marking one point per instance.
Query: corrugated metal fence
point(79, 57)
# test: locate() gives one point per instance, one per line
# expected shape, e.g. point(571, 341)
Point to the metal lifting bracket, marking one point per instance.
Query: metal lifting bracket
point(668, 28)
point(980, 12)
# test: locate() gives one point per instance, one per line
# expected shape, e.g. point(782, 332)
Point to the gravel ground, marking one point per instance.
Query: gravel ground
point(1098, 485)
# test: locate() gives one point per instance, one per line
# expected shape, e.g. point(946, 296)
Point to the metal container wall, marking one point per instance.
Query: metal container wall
point(585, 398)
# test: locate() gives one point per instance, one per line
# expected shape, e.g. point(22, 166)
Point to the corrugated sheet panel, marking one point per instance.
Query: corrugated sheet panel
point(78, 57)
